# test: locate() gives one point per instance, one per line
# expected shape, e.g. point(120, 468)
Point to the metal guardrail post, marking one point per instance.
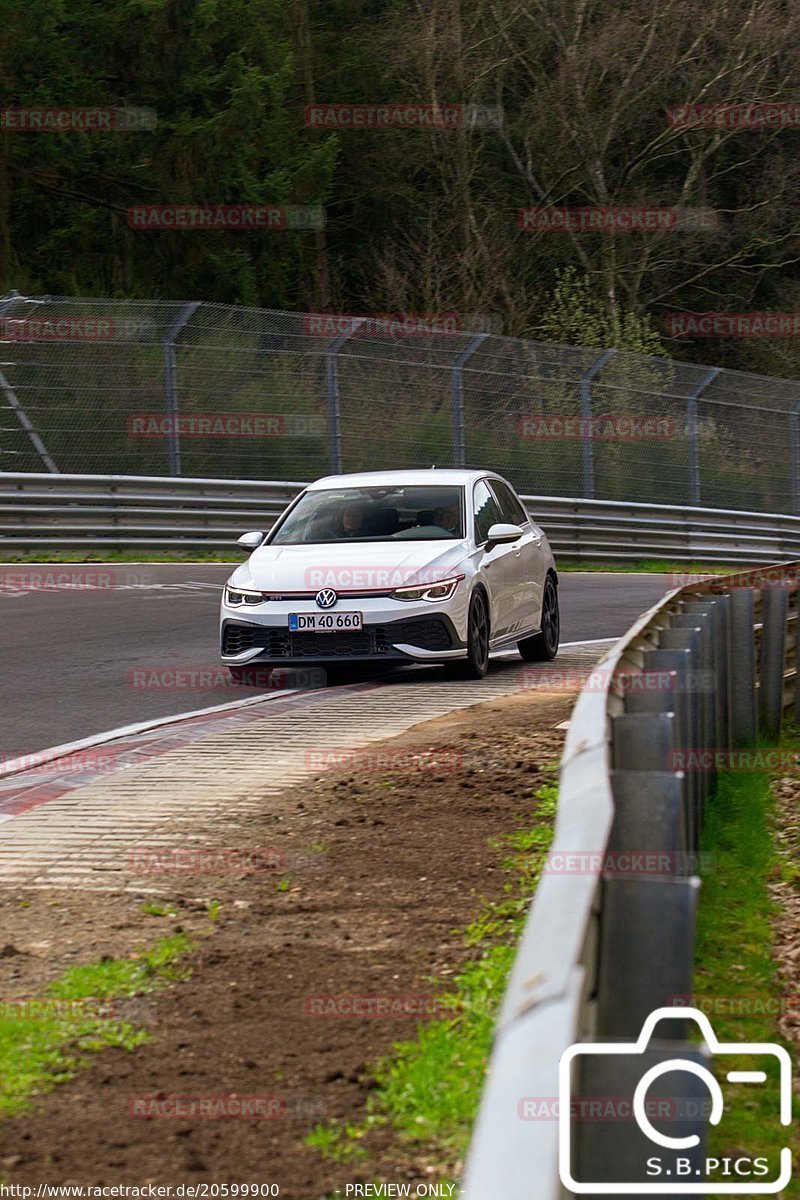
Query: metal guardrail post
point(332, 388)
point(691, 639)
point(586, 420)
point(744, 714)
point(457, 393)
point(775, 607)
point(693, 434)
point(680, 661)
point(794, 455)
point(171, 386)
point(639, 913)
point(716, 608)
point(14, 402)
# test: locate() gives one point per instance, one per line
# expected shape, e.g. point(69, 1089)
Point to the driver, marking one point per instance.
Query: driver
point(352, 520)
point(446, 517)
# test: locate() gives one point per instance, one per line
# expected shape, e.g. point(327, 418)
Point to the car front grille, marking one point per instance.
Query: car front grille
point(429, 633)
point(237, 638)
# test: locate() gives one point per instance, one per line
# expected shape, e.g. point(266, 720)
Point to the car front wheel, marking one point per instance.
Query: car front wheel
point(476, 664)
point(543, 646)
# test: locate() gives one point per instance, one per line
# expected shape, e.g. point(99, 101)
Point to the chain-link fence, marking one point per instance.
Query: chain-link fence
point(140, 387)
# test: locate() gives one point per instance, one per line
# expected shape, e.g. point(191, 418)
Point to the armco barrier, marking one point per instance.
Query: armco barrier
point(712, 666)
point(123, 512)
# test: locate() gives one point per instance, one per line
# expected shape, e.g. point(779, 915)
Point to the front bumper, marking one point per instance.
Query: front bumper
point(416, 639)
point(391, 633)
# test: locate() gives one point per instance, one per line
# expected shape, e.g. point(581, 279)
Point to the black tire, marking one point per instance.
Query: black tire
point(543, 646)
point(256, 676)
point(476, 664)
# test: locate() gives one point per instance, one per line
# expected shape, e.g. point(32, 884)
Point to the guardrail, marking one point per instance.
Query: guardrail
point(123, 512)
point(711, 667)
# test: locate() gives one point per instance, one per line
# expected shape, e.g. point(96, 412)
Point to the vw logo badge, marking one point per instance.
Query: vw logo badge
point(326, 598)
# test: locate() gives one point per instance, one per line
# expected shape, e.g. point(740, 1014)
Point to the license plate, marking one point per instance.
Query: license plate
point(323, 622)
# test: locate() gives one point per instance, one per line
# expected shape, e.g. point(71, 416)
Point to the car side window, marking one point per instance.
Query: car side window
point(510, 506)
point(486, 510)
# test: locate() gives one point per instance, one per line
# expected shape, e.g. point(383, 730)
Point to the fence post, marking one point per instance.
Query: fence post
point(586, 420)
point(332, 388)
point(794, 451)
point(691, 423)
point(774, 608)
point(457, 391)
point(171, 386)
point(14, 403)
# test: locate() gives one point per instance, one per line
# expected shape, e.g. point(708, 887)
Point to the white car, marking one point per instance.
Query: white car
point(393, 567)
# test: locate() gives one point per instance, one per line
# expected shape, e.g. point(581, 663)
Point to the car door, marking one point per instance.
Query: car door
point(499, 562)
point(528, 559)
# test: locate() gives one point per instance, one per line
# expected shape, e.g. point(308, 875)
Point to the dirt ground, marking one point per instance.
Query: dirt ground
point(786, 894)
point(384, 868)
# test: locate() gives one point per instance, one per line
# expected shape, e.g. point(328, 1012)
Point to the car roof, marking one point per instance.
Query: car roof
point(419, 478)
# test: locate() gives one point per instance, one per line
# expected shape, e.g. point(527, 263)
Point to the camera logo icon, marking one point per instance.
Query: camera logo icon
point(632, 1115)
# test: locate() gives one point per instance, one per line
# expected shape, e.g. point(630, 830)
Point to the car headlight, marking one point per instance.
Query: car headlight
point(442, 590)
point(237, 596)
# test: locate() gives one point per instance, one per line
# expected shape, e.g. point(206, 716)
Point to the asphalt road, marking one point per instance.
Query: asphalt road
point(73, 660)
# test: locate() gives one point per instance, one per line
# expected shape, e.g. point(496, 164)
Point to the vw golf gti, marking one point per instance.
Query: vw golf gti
point(393, 567)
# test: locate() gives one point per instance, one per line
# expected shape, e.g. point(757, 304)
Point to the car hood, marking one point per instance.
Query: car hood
point(361, 566)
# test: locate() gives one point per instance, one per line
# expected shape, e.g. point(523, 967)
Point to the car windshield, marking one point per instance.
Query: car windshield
point(373, 514)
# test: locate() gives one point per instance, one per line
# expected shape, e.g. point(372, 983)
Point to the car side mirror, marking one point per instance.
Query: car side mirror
point(503, 535)
point(250, 541)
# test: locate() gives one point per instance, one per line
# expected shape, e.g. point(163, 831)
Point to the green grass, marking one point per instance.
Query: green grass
point(233, 556)
point(429, 1086)
point(152, 909)
point(735, 956)
point(655, 566)
point(48, 1038)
